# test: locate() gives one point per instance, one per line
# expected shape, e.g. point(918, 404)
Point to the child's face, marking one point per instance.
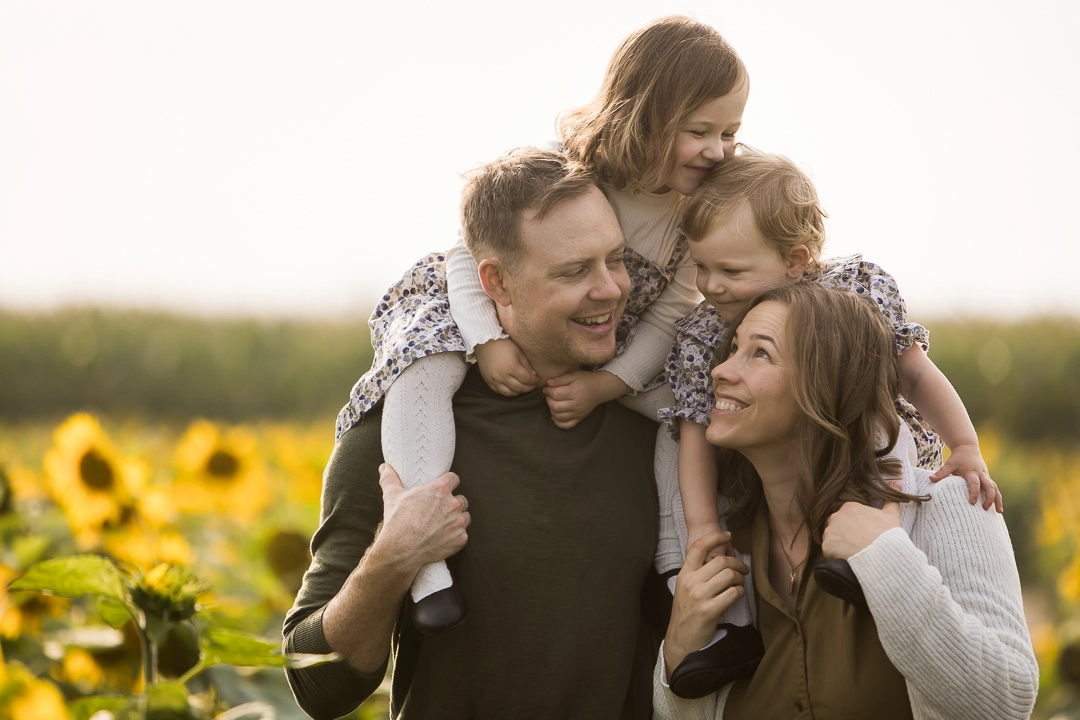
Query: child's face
point(706, 138)
point(735, 265)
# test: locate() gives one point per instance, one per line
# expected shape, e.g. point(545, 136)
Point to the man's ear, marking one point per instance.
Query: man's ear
point(496, 281)
point(798, 258)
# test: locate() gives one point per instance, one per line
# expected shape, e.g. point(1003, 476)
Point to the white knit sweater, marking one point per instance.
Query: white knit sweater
point(948, 610)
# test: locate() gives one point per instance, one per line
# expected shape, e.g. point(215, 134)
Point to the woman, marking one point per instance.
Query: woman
point(804, 416)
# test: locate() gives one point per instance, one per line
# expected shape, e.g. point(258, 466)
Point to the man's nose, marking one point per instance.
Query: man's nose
point(608, 286)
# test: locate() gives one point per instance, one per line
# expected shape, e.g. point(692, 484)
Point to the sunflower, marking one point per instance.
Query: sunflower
point(220, 471)
point(25, 613)
point(145, 535)
point(25, 697)
point(88, 478)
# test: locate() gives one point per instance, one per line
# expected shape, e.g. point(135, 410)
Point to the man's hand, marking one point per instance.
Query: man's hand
point(967, 462)
point(505, 368)
point(855, 526)
point(573, 395)
point(423, 524)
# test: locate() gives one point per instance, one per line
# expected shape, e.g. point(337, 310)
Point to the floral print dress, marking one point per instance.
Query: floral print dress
point(412, 320)
point(699, 333)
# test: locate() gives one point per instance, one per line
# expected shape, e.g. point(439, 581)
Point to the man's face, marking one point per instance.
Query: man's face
point(569, 290)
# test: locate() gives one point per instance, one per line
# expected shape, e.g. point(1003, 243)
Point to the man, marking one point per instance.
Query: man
point(561, 523)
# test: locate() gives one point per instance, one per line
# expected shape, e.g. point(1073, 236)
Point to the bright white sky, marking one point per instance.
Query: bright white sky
point(247, 156)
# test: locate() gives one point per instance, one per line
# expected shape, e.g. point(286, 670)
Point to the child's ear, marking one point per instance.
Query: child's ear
point(495, 279)
point(798, 259)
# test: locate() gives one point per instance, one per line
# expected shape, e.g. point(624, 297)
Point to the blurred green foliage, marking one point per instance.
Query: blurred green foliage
point(175, 367)
point(1020, 377)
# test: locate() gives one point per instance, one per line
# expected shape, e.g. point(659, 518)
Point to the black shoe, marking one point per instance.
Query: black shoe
point(439, 611)
point(734, 656)
point(837, 578)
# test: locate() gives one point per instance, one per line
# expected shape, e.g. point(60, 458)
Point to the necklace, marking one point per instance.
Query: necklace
point(793, 566)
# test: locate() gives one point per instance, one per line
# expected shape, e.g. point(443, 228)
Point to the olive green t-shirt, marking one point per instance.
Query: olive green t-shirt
point(564, 528)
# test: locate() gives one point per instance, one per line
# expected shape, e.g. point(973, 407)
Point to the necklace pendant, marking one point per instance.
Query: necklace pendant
point(791, 584)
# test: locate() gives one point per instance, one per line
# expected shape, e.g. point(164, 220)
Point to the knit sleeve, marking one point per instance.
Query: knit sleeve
point(470, 306)
point(648, 346)
point(669, 706)
point(948, 609)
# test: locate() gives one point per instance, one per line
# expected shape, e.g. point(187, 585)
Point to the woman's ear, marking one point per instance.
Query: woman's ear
point(798, 259)
point(496, 281)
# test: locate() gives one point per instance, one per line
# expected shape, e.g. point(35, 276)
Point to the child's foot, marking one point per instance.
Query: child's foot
point(439, 611)
point(736, 655)
point(837, 578)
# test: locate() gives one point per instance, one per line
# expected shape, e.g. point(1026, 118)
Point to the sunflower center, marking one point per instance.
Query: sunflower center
point(96, 471)
point(222, 465)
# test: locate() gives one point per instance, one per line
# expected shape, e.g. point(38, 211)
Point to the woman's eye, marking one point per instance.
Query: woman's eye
point(697, 133)
point(762, 353)
point(728, 136)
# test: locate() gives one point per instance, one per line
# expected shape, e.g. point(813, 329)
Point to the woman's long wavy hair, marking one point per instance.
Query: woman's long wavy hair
point(658, 76)
point(845, 378)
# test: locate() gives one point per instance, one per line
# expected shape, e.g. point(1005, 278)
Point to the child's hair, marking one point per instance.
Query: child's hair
point(498, 193)
point(782, 200)
point(844, 377)
point(659, 75)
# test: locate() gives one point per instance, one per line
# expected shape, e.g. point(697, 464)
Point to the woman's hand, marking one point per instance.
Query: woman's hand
point(855, 526)
point(704, 590)
point(505, 368)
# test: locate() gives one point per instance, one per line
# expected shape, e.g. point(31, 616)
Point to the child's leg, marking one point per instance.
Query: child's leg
point(418, 436)
point(669, 548)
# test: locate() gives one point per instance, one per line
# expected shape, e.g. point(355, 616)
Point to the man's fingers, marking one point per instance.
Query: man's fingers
point(388, 478)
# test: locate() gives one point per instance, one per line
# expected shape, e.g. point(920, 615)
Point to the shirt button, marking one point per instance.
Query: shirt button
point(798, 705)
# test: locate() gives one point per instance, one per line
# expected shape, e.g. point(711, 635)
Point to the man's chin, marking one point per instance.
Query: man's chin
point(596, 355)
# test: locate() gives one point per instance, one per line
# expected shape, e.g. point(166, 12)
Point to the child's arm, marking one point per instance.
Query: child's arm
point(577, 393)
point(573, 395)
point(697, 481)
point(503, 365)
point(936, 400)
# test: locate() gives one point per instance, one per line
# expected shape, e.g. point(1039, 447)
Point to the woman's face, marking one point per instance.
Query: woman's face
point(755, 407)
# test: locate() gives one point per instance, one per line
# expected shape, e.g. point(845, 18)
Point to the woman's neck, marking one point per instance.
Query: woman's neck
point(780, 484)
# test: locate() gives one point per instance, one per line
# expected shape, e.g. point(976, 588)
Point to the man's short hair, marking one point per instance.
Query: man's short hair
point(497, 194)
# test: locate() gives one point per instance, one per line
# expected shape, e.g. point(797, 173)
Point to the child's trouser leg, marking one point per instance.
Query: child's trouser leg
point(672, 540)
point(418, 436)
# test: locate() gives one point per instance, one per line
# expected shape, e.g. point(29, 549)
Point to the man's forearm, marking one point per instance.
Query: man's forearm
point(359, 621)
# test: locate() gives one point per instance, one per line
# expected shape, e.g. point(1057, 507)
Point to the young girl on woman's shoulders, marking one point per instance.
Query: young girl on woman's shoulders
point(756, 224)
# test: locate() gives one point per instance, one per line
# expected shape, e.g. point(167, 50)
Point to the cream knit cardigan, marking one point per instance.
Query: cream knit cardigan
point(948, 609)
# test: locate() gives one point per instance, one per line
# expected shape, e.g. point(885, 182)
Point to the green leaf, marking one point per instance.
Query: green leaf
point(122, 708)
point(117, 614)
point(168, 701)
point(221, 646)
point(74, 576)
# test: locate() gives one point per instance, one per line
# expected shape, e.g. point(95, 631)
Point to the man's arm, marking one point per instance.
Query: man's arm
point(352, 592)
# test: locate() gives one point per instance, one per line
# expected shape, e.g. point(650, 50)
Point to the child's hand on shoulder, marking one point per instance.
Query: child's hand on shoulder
point(505, 368)
point(573, 395)
point(967, 462)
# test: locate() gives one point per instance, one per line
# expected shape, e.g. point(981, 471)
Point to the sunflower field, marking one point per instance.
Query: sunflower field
point(160, 481)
